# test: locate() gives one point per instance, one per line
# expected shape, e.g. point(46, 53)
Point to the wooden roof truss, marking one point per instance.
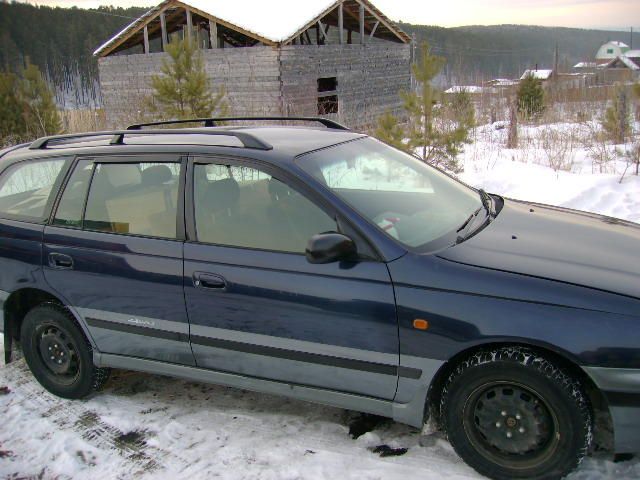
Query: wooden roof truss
point(173, 16)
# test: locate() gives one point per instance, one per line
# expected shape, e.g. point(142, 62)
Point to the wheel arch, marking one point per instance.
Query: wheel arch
point(18, 304)
point(603, 424)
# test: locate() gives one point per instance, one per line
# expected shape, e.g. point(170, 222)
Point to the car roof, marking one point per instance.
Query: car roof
point(287, 142)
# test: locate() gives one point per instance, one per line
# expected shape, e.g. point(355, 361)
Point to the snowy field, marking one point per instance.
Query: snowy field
point(144, 426)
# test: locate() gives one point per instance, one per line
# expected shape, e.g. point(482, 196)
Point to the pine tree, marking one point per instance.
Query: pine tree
point(436, 128)
point(182, 91)
point(530, 97)
point(512, 136)
point(12, 125)
point(39, 108)
point(390, 131)
point(616, 118)
point(636, 93)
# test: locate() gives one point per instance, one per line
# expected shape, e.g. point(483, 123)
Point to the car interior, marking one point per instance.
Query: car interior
point(258, 211)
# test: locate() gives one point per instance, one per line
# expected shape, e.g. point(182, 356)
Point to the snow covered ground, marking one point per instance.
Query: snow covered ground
point(525, 173)
point(146, 426)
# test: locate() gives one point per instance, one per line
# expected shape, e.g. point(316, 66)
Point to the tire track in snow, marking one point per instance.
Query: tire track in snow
point(74, 415)
point(144, 459)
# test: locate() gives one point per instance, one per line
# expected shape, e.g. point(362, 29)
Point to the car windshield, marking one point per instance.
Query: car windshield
point(409, 200)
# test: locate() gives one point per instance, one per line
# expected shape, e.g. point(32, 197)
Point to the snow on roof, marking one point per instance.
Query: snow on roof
point(272, 20)
point(465, 88)
point(501, 82)
point(632, 54)
point(276, 20)
point(538, 74)
point(626, 61)
point(585, 65)
point(618, 44)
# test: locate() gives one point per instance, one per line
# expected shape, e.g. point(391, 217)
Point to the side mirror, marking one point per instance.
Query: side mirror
point(330, 247)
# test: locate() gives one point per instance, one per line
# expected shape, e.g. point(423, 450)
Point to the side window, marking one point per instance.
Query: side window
point(245, 207)
point(69, 212)
point(134, 199)
point(27, 188)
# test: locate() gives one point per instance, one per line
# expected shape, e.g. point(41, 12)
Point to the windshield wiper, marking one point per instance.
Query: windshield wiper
point(468, 220)
point(487, 203)
point(465, 225)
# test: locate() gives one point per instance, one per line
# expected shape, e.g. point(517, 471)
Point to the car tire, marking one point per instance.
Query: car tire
point(512, 413)
point(58, 354)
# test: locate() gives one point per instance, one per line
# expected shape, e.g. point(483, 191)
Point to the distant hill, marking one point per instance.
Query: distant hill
point(478, 53)
point(61, 42)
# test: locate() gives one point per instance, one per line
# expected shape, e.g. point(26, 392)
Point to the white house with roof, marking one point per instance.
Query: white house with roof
point(611, 50)
point(340, 58)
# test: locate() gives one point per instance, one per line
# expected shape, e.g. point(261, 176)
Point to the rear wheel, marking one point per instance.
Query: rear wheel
point(510, 413)
point(58, 354)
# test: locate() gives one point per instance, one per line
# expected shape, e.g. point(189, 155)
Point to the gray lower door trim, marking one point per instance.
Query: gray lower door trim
point(310, 394)
point(615, 379)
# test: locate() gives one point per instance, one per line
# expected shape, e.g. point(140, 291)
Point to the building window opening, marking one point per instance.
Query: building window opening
point(327, 95)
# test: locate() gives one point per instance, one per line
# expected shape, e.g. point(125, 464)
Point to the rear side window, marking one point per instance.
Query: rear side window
point(27, 188)
point(134, 199)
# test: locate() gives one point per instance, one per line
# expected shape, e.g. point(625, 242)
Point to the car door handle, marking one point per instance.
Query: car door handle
point(209, 281)
point(60, 261)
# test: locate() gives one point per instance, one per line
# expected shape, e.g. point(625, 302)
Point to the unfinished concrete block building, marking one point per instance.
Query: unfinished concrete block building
point(343, 59)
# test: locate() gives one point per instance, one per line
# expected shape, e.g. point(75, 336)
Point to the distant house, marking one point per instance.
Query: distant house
point(634, 56)
point(471, 89)
point(614, 62)
point(543, 75)
point(501, 83)
point(622, 68)
point(341, 58)
point(611, 50)
point(585, 66)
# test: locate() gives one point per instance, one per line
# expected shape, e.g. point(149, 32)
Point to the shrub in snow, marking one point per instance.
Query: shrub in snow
point(530, 97)
point(616, 118)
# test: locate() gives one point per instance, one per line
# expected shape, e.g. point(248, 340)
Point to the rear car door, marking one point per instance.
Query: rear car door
point(258, 308)
point(113, 251)
point(27, 191)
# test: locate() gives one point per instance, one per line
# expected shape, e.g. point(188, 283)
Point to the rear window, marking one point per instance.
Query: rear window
point(134, 199)
point(27, 188)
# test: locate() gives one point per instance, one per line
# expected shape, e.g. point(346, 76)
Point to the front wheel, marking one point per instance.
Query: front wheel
point(58, 354)
point(510, 413)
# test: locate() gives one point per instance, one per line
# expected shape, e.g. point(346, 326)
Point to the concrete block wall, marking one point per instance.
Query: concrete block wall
point(250, 77)
point(369, 79)
point(270, 81)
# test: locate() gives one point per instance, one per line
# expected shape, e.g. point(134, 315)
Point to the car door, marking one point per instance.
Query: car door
point(113, 251)
point(27, 191)
point(258, 308)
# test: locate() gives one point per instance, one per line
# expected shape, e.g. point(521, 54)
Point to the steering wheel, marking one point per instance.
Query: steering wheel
point(388, 222)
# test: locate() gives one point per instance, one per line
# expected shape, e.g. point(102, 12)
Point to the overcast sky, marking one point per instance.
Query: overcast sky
point(569, 13)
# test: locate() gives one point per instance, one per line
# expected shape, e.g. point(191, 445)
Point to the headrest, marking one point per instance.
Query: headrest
point(279, 191)
point(222, 194)
point(122, 174)
point(156, 175)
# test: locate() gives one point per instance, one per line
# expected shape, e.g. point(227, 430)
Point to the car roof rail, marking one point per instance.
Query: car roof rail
point(212, 122)
point(247, 140)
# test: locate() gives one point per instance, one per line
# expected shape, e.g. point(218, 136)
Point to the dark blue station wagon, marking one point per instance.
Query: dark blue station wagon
point(322, 264)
